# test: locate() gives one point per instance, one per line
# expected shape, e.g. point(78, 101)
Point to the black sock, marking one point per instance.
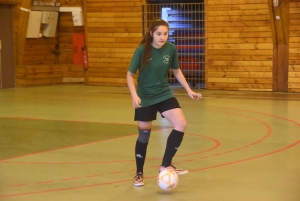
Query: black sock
point(173, 143)
point(140, 155)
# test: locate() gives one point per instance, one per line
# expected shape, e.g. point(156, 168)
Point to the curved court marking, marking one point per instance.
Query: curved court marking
point(194, 170)
point(268, 134)
point(216, 145)
point(40, 163)
point(67, 147)
point(125, 181)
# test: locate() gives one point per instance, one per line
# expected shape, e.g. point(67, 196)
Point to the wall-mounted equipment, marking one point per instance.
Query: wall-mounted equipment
point(34, 24)
point(46, 17)
point(76, 14)
point(77, 18)
point(50, 28)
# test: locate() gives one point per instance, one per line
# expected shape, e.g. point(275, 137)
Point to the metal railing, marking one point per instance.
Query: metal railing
point(187, 32)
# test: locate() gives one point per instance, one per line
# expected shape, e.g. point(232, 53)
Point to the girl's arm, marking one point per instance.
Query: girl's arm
point(180, 77)
point(136, 101)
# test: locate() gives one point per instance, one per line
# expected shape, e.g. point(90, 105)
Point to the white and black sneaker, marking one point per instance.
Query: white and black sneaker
point(138, 179)
point(177, 170)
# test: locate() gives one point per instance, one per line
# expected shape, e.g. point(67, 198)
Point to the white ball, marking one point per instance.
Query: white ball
point(167, 179)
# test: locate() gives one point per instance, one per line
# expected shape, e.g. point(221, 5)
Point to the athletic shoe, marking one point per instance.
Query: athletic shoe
point(138, 179)
point(178, 171)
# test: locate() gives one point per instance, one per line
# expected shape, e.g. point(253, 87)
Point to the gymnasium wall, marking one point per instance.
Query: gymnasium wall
point(294, 47)
point(114, 30)
point(240, 47)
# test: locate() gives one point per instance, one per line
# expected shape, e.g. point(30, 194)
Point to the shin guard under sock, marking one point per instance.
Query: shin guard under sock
point(140, 155)
point(141, 149)
point(173, 143)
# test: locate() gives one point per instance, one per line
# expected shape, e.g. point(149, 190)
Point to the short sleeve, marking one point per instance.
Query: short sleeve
point(136, 60)
point(174, 61)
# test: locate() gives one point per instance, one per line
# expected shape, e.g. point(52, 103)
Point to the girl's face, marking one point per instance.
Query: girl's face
point(160, 36)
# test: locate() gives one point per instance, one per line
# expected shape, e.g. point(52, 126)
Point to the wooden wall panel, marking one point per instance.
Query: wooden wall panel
point(39, 51)
point(239, 46)
point(294, 47)
point(114, 30)
point(27, 75)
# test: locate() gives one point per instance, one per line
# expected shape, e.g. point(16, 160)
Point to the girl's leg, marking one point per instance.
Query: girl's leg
point(140, 151)
point(177, 119)
point(144, 129)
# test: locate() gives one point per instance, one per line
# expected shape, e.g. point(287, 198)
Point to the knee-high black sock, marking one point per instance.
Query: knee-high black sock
point(173, 143)
point(140, 155)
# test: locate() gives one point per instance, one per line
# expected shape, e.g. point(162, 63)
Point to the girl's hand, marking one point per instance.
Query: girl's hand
point(195, 96)
point(136, 101)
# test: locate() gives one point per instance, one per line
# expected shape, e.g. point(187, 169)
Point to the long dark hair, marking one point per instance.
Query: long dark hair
point(148, 39)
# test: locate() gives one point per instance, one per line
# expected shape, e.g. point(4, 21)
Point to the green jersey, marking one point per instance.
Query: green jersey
point(153, 86)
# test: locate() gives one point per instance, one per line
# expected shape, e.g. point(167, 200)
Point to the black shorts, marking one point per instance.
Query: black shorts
point(149, 113)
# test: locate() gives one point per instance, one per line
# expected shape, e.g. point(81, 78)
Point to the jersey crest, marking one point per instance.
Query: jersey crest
point(166, 59)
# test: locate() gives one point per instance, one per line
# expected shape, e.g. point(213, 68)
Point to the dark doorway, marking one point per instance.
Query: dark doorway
point(7, 64)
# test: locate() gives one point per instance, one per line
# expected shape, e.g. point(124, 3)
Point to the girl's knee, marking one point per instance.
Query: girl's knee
point(181, 126)
point(144, 125)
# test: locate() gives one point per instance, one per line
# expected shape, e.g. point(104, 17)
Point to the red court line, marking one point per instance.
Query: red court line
point(67, 163)
point(4, 160)
point(64, 189)
point(286, 119)
point(16, 185)
point(217, 144)
point(199, 169)
point(248, 159)
point(47, 151)
point(62, 120)
point(68, 179)
point(204, 157)
point(45, 182)
point(117, 172)
point(31, 118)
point(123, 181)
point(40, 163)
point(95, 175)
point(189, 160)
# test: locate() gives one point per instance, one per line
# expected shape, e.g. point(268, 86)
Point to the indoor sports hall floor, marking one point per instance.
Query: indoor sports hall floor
point(76, 143)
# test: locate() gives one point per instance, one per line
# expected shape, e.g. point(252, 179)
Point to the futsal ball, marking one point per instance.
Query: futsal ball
point(167, 179)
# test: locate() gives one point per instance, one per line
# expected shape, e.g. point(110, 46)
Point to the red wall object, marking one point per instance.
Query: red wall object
point(78, 44)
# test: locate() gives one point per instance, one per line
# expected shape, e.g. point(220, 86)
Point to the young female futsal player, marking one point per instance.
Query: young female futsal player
point(154, 58)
